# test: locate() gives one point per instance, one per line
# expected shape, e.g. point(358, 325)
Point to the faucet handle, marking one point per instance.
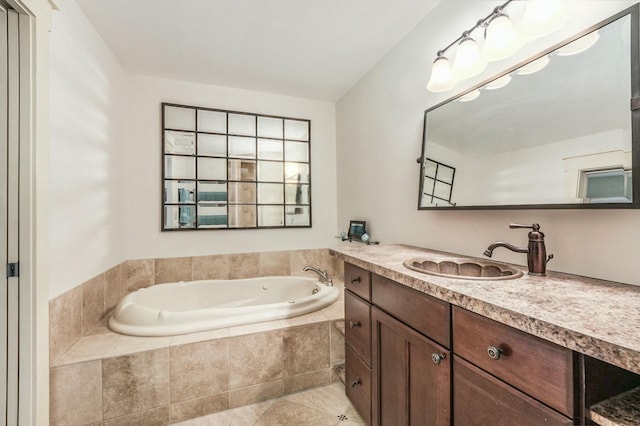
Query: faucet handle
point(535, 226)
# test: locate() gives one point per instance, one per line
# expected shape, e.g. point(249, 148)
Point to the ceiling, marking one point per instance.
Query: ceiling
point(303, 48)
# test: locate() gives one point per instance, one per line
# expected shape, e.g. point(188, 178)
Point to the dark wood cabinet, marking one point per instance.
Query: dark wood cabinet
point(480, 399)
point(357, 326)
point(358, 383)
point(411, 375)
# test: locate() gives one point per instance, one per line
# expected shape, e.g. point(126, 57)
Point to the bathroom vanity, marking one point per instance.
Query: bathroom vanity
point(424, 349)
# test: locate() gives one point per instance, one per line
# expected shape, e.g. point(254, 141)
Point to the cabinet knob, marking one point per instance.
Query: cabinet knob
point(354, 324)
point(355, 280)
point(437, 358)
point(356, 383)
point(494, 353)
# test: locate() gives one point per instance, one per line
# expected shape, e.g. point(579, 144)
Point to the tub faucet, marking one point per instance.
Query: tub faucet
point(324, 276)
point(536, 252)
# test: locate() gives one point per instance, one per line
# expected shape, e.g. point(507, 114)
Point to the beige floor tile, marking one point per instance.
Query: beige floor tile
point(307, 380)
point(288, 413)
point(255, 393)
point(331, 399)
point(241, 416)
point(199, 407)
point(154, 417)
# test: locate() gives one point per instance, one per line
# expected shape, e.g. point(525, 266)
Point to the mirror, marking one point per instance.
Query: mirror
point(230, 170)
point(555, 132)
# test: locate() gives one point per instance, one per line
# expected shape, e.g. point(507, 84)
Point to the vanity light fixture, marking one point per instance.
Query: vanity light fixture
point(501, 40)
point(533, 67)
point(579, 45)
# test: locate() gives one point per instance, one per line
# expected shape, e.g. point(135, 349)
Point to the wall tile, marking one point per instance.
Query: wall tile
point(306, 348)
point(255, 358)
point(307, 380)
point(255, 393)
point(318, 258)
point(138, 273)
point(210, 267)
point(135, 382)
point(199, 369)
point(115, 287)
point(64, 322)
point(75, 394)
point(173, 269)
point(337, 345)
point(274, 263)
point(154, 417)
point(92, 303)
point(199, 407)
point(243, 265)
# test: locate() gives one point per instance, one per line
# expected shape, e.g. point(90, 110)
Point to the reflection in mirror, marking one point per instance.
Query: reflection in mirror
point(179, 142)
point(178, 118)
point(242, 216)
point(556, 132)
point(212, 121)
point(226, 169)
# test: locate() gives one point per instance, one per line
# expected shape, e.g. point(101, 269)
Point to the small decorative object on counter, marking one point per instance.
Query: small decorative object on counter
point(365, 238)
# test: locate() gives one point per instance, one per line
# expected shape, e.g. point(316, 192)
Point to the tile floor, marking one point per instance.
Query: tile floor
point(322, 406)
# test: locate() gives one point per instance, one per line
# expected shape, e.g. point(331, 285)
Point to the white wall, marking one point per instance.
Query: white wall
point(379, 127)
point(141, 195)
point(87, 107)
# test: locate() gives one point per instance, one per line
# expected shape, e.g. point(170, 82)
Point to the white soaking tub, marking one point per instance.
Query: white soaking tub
point(187, 307)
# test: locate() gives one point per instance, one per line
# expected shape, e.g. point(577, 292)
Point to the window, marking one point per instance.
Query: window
point(606, 186)
point(229, 170)
point(437, 183)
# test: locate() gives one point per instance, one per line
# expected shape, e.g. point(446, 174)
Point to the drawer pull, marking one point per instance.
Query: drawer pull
point(494, 353)
point(354, 324)
point(356, 383)
point(355, 280)
point(437, 358)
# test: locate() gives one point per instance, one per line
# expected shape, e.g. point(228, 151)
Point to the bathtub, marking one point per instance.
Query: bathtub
point(187, 307)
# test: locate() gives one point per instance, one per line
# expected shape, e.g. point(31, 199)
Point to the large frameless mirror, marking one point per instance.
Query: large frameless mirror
point(229, 170)
point(560, 131)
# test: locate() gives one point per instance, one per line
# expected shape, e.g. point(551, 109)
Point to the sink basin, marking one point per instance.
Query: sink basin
point(464, 269)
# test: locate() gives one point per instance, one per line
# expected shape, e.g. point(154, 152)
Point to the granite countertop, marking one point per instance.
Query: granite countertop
point(594, 317)
point(621, 410)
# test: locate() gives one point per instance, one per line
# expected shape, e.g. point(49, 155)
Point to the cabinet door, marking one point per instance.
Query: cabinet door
point(409, 388)
point(480, 399)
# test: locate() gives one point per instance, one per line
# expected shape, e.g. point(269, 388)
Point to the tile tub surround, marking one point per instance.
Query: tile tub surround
point(598, 318)
point(117, 379)
point(84, 310)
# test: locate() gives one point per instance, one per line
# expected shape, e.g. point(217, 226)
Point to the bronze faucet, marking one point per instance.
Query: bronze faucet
point(536, 252)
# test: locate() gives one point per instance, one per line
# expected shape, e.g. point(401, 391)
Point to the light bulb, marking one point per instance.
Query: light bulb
point(469, 61)
point(441, 78)
point(501, 40)
point(543, 17)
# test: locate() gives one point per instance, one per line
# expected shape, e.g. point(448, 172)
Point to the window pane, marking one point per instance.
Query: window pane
point(242, 170)
point(180, 217)
point(242, 192)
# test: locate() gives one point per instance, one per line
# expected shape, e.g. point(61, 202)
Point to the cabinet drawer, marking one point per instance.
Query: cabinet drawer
point(357, 325)
point(480, 399)
point(358, 280)
point(424, 313)
point(537, 367)
point(358, 384)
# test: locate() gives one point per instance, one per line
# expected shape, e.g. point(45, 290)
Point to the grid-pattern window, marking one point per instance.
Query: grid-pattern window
point(229, 170)
point(437, 185)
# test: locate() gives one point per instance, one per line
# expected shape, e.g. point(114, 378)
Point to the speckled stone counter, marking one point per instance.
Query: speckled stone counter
point(594, 317)
point(621, 410)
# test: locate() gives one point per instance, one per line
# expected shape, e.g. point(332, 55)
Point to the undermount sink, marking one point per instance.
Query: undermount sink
point(465, 269)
